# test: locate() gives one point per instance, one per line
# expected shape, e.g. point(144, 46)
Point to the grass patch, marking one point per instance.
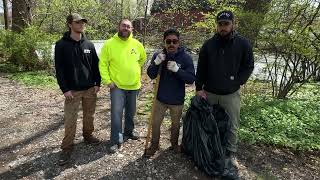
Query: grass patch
point(35, 78)
point(292, 123)
point(9, 68)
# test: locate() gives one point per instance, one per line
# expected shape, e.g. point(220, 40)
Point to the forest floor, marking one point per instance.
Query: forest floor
point(31, 127)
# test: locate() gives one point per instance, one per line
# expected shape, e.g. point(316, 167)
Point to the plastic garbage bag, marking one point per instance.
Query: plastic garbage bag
point(204, 135)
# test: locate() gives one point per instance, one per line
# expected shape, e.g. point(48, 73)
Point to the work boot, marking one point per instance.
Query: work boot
point(231, 167)
point(114, 148)
point(131, 136)
point(151, 151)
point(64, 158)
point(231, 159)
point(92, 140)
point(230, 174)
point(175, 148)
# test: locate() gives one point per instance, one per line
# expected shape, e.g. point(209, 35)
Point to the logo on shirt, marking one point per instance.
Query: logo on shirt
point(86, 51)
point(133, 51)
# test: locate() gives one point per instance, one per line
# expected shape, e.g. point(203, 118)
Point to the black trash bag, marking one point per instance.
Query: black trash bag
point(201, 138)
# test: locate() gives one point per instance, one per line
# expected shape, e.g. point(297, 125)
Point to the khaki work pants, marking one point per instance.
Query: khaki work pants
point(157, 118)
point(71, 108)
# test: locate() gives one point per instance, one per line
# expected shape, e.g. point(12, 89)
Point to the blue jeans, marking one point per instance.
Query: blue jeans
point(122, 100)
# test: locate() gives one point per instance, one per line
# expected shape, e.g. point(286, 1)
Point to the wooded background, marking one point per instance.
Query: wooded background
point(285, 34)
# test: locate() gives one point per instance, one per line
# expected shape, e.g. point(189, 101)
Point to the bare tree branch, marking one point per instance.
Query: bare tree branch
point(312, 19)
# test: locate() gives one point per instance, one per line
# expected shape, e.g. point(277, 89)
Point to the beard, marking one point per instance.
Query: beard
point(124, 34)
point(225, 34)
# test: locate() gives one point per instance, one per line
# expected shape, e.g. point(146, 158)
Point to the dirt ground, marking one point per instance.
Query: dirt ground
point(31, 130)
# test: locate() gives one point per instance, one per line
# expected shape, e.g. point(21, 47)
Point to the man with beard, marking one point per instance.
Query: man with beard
point(225, 63)
point(176, 70)
point(78, 76)
point(121, 61)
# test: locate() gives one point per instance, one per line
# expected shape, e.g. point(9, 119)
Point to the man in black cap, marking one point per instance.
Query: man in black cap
point(78, 76)
point(225, 63)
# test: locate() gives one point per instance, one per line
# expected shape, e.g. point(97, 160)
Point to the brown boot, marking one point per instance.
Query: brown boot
point(92, 140)
point(65, 156)
point(151, 151)
point(175, 148)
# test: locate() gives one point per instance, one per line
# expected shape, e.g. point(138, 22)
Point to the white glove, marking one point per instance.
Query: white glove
point(172, 66)
point(160, 57)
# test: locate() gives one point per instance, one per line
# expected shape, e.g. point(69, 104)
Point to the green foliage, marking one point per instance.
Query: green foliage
point(51, 16)
point(249, 24)
point(289, 39)
point(29, 50)
point(292, 123)
point(103, 16)
point(35, 78)
point(9, 68)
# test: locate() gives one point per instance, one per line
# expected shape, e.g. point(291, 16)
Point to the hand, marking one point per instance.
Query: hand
point(68, 95)
point(202, 94)
point(111, 85)
point(96, 89)
point(160, 58)
point(172, 66)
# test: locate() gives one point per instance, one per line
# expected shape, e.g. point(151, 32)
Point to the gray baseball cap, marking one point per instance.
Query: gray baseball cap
point(75, 17)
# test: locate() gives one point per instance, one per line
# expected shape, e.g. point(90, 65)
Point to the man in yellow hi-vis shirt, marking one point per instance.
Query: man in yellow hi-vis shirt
point(121, 60)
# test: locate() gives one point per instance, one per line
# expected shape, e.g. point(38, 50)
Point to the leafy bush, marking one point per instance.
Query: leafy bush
point(30, 50)
point(9, 68)
point(292, 123)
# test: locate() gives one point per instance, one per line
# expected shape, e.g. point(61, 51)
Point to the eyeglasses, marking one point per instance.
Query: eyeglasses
point(169, 41)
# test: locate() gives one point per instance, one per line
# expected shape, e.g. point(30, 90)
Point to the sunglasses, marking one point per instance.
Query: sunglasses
point(169, 41)
point(79, 22)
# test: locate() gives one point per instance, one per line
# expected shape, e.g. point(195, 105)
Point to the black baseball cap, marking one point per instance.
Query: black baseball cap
point(75, 17)
point(225, 16)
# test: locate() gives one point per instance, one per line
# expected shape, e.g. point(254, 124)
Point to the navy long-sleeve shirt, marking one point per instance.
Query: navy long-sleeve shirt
point(171, 89)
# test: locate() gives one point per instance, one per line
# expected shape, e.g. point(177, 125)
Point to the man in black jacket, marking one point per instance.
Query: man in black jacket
point(78, 76)
point(225, 63)
point(176, 70)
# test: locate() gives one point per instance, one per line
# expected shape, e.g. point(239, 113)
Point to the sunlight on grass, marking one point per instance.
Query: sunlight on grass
point(35, 78)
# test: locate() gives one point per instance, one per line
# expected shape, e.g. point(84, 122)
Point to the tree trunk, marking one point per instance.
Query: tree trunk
point(5, 14)
point(122, 10)
point(145, 23)
point(21, 14)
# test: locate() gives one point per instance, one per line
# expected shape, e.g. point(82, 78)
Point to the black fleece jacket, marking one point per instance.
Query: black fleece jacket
point(224, 64)
point(76, 64)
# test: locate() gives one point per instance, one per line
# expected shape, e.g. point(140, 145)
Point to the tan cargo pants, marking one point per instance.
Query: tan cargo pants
point(157, 118)
point(71, 109)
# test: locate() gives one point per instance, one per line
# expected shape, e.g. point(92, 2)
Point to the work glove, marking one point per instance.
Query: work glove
point(160, 58)
point(172, 66)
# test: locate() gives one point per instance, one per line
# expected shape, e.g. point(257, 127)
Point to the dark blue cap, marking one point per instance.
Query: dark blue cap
point(225, 16)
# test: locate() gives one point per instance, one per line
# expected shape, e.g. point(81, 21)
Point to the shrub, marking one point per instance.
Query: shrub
point(30, 50)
